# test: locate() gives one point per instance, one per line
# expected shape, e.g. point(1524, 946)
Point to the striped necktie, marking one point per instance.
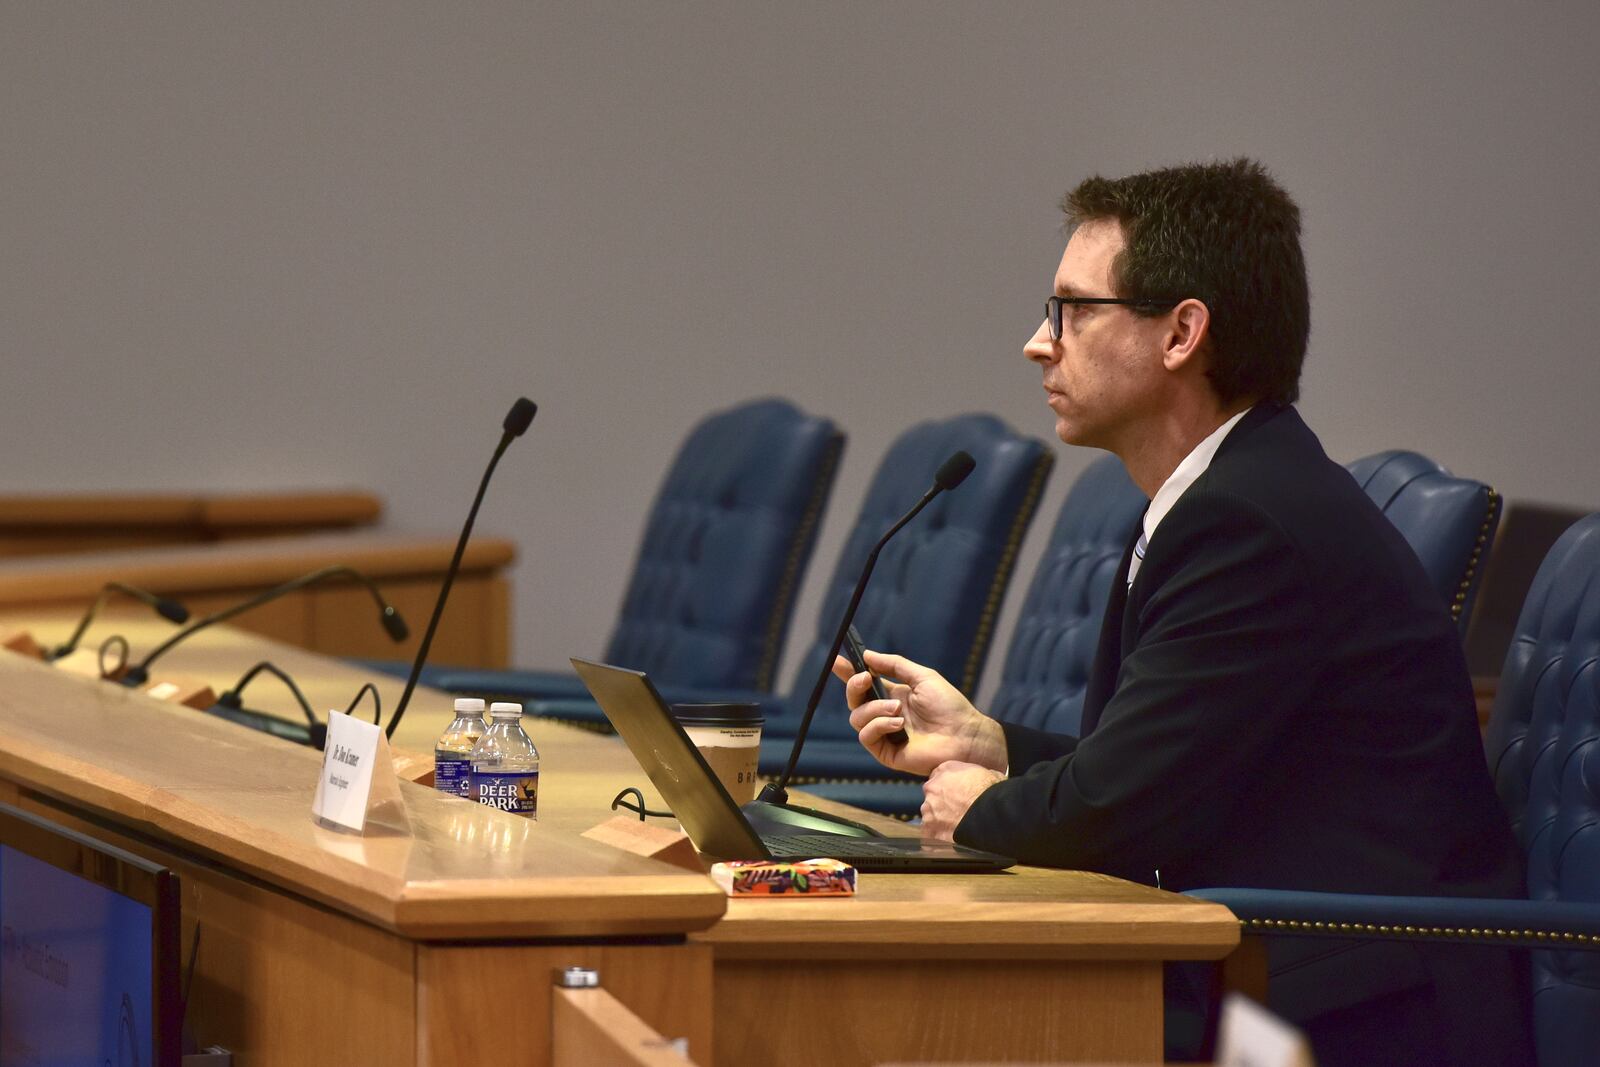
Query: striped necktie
point(1138, 557)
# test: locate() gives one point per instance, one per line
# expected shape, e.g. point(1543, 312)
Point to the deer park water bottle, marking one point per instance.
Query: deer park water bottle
point(452, 755)
point(505, 765)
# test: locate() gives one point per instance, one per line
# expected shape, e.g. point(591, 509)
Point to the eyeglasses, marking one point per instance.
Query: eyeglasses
point(1052, 307)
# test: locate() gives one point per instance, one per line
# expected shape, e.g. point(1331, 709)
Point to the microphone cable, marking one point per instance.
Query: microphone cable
point(234, 698)
point(166, 607)
point(390, 619)
point(377, 701)
point(314, 734)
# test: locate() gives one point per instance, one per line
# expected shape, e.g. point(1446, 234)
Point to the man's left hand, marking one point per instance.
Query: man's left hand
point(949, 792)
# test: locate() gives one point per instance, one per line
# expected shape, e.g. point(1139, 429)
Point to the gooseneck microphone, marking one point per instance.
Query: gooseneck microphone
point(772, 808)
point(515, 425)
point(388, 616)
point(166, 607)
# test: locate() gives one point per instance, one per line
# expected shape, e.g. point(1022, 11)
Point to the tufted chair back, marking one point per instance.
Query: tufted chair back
point(1053, 645)
point(1543, 743)
point(1448, 521)
point(938, 585)
point(725, 545)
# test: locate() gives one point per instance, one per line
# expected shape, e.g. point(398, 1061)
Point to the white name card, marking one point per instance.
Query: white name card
point(357, 774)
point(1251, 1036)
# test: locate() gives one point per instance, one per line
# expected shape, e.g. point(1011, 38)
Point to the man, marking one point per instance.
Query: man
point(1279, 699)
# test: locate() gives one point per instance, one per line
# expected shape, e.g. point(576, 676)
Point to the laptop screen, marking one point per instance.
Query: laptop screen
point(88, 950)
point(672, 763)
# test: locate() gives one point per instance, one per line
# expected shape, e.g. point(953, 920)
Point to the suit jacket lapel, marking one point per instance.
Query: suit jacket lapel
point(1119, 630)
point(1108, 654)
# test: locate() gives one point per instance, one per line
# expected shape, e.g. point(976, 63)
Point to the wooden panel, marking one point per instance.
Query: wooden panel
point(234, 565)
point(277, 980)
point(98, 522)
point(496, 606)
point(285, 619)
point(280, 981)
point(809, 1011)
point(239, 513)
point(337, 618)
point(591, 1026)
point(472, 632)
point(60, 542)
point(88, 511)
point(1026, 912)
point(667, 986)
point(243, 798)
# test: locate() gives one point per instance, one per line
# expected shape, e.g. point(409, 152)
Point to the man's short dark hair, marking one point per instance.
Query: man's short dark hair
point(1225, 234)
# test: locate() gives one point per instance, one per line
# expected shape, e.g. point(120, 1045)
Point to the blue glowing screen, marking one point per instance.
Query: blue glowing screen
point(76, 966)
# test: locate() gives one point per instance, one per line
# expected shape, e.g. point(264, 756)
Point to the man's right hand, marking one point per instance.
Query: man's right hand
point(941, 724)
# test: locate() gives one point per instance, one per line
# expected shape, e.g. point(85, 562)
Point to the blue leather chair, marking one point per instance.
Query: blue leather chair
point(936, 590)
point(1449, 522)
point(1543, 743)
point(1047, 663)
point(938, 585)
point(725, 546)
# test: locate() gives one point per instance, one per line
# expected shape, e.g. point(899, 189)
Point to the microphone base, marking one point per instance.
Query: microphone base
point(780, 817)
point(299, 733)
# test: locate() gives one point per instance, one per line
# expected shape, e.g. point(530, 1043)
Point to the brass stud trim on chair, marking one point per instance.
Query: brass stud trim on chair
point(1002, 571)
point(1459, 603)
point(771, 646)
point(1442, 932)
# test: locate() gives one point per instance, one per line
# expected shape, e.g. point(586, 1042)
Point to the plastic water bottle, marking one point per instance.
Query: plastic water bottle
point(505, 765)
point(452, 756)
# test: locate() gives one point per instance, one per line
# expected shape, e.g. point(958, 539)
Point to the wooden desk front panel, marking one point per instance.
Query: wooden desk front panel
point(280, 980)
point(857, 1013)
point(484, 1004)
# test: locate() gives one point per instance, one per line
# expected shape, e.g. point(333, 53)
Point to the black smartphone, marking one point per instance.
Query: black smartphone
point(855, 650)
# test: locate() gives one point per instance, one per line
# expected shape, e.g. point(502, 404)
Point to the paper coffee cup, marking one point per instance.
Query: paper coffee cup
point(729, 739)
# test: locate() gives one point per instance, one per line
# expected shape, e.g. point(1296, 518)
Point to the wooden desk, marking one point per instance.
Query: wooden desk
point(60, 523)
point(337, 618)
point(1028, 965)
point(433, 947)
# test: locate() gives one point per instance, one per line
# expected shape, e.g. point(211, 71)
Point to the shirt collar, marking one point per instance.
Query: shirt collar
point(1185, 475)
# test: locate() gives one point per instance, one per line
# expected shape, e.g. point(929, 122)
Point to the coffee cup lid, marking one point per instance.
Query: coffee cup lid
point(730, 713)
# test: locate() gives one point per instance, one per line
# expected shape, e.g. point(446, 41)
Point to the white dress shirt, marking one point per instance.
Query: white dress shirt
point(1185, 474)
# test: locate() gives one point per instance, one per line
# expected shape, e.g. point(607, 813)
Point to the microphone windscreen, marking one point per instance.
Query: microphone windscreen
point(395, 625)
point(953, 471)
point(172, 611)
point(520, 416)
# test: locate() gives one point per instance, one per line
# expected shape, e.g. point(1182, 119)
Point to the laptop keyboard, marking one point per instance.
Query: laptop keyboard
point(813, 846)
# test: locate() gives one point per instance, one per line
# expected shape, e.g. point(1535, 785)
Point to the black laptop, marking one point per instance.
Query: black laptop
point(710, 817)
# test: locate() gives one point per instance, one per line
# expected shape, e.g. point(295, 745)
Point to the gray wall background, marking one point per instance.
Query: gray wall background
point(299, 244)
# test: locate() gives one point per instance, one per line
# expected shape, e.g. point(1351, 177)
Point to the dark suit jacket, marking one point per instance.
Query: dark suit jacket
point(1279, 700)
